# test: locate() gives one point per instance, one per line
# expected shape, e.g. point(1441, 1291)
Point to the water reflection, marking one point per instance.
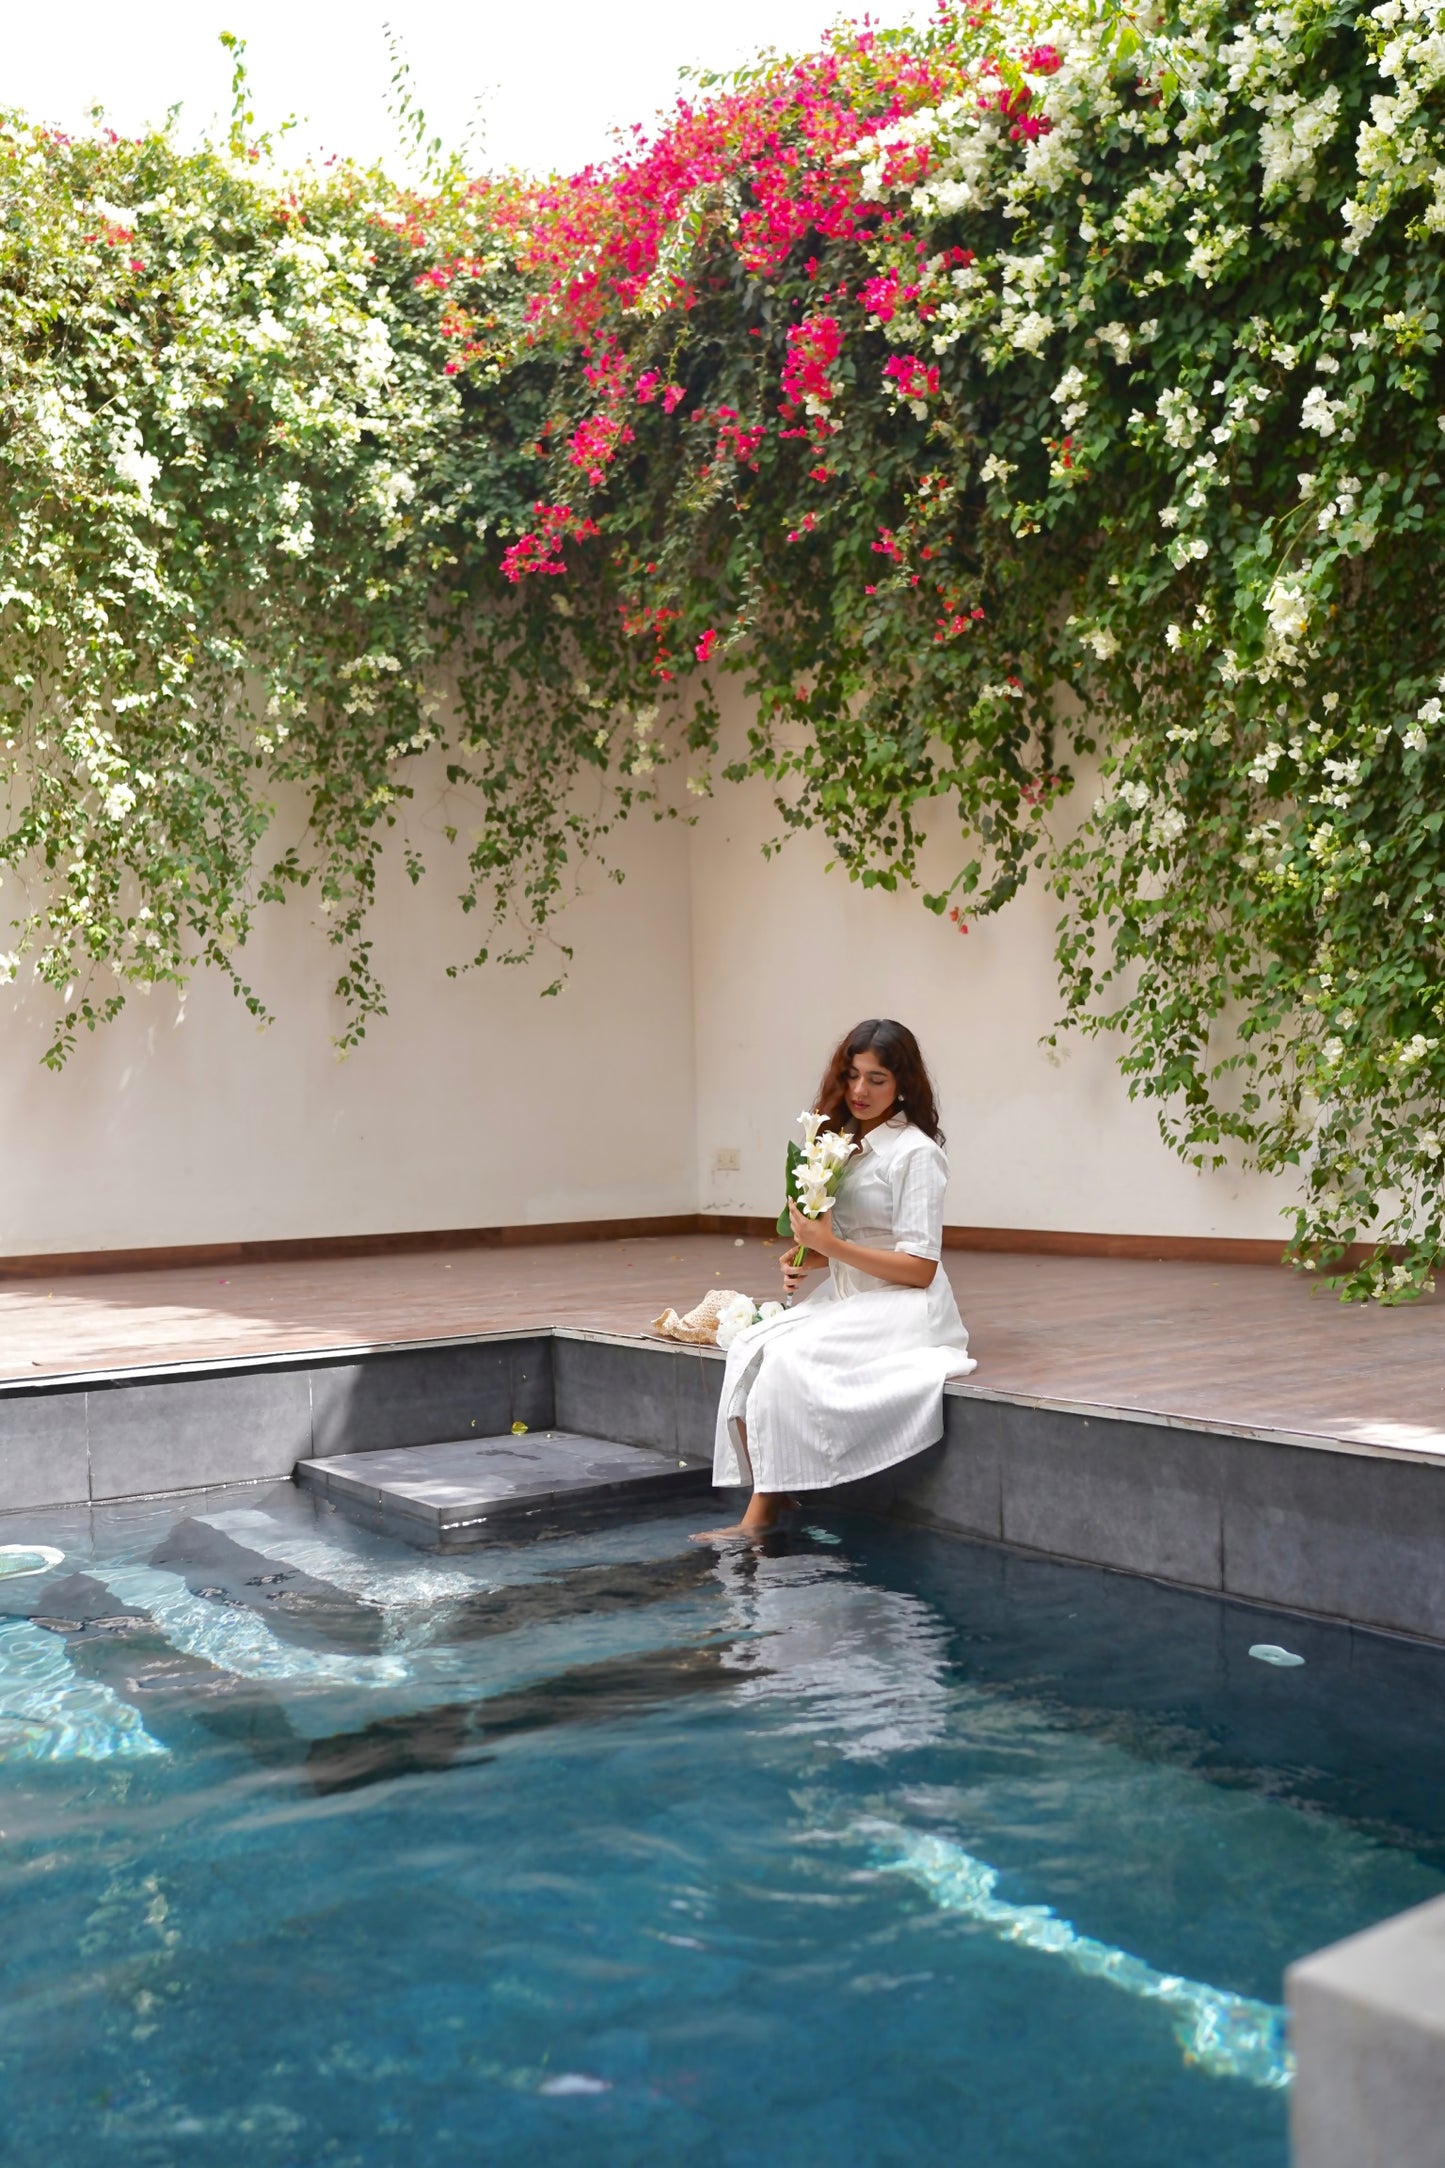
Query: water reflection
point(866, 1671)
point(961, 1756)
point(861, 1667)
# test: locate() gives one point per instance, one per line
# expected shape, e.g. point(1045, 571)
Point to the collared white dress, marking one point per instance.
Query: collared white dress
point(851, 1379)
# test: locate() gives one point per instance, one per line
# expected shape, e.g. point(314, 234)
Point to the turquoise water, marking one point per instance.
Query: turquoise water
point(884, 1848)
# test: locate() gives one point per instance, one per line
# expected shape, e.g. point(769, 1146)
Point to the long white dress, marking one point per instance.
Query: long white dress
point(851, 1379)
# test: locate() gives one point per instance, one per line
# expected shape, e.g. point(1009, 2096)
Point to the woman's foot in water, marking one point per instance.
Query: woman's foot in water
point(765, 1510)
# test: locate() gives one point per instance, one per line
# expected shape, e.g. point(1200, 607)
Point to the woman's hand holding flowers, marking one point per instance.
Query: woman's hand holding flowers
point(815, 1235)
point(814, 1171)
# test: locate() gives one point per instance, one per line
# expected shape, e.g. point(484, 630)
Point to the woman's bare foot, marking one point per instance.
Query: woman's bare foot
point(764, 1512)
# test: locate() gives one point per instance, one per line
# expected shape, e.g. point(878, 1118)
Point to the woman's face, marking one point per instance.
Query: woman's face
point(871, 1087)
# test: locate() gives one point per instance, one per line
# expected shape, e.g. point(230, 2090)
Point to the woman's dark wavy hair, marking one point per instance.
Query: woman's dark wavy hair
point(898, 1050)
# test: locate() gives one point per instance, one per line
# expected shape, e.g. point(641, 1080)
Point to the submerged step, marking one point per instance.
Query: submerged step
point(466, 1484)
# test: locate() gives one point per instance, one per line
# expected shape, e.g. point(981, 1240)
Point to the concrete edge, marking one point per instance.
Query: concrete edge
point(1367, 2017)
point(330, 1355)
point(333, 1355)
point(1318, 1441)
point(1295, 1525)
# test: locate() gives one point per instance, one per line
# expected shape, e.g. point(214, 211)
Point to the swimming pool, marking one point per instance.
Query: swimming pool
point(885, 1848)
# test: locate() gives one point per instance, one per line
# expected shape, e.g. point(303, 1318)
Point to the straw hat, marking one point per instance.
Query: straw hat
point(699, 1327)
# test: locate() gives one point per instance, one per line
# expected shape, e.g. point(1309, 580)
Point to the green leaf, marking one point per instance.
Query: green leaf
point(790, 1185)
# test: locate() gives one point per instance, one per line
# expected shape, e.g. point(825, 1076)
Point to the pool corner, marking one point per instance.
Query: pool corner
point(1368, 2019)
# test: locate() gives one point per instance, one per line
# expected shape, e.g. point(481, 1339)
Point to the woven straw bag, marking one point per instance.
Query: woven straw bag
point(699, 1327)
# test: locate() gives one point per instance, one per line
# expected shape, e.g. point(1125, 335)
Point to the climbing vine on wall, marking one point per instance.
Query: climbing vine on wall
point(1043, 391)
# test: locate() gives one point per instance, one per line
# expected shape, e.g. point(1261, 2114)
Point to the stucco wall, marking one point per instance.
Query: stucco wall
point(786, 958)
point(473, 1103)
point(704, 995)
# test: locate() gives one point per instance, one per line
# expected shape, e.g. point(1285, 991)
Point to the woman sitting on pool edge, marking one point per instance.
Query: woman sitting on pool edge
point(851, 1380)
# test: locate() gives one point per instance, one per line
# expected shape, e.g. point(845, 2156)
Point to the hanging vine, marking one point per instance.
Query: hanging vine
point(1041, 389)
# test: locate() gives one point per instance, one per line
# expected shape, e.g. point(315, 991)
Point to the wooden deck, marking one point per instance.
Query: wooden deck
point(1249, 1346)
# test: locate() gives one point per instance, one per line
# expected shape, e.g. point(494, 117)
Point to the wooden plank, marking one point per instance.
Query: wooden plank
point(309, 1249)
point(1190, 1340)
point(304, 1249)
point(1048, 1242)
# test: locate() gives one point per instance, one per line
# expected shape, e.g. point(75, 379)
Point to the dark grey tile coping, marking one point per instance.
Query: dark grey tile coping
point(470, 1483)
point(1311, 1524)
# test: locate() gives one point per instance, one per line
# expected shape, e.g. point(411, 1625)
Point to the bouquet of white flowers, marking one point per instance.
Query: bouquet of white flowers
point(741, 1312)
point(815, 1168)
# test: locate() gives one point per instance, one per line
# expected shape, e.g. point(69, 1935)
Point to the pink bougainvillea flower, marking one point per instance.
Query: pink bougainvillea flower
point(768, 170)
point(736, 439)
point(882, 297)
point(813, 346)
point(541, 550)
point(594, 444)
point(914, 379)
point(1037, 790)
point(706, 644)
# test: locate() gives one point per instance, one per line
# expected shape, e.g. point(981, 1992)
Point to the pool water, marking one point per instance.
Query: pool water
point(594, 1847)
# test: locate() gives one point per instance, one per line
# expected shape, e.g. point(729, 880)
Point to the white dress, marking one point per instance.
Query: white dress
point(851, 1379)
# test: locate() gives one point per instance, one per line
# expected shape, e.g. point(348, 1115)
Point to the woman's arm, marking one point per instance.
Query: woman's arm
point(896, 1266)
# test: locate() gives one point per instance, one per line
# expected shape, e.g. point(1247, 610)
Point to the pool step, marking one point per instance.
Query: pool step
point(460, 1490)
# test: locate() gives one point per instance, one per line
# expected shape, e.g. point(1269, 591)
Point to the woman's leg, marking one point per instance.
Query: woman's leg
point(764, 1507)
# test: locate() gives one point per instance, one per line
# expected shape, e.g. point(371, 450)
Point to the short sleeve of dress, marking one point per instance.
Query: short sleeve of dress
point(920, 1178)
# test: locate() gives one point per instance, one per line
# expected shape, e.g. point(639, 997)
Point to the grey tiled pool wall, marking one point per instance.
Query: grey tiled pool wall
point(1298, 1527)
point(642, 1395)
point(85, 1440)
point(1340, 1534)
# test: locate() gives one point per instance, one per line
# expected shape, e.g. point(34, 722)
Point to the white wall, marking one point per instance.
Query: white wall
point(705, 994)
point(787, 957)
point(474, 1103)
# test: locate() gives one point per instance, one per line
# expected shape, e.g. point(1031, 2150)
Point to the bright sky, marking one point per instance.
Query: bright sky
point(546, 82)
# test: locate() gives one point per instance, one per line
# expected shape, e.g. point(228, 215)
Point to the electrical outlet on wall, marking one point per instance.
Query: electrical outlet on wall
point(726, 1159)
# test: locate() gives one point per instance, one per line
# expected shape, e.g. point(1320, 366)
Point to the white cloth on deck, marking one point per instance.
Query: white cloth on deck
point(850, 1380)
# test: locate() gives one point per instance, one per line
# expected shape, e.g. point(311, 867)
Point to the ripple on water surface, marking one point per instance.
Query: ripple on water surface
point(880, 1849)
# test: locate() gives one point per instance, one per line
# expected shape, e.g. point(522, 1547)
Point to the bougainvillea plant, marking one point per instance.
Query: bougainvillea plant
point(1036, 393)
